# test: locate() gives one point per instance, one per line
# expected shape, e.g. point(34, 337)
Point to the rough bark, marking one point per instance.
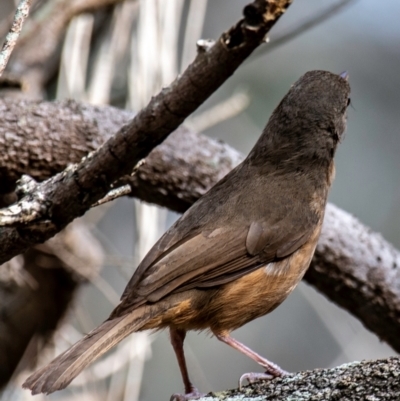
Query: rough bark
point(40, 139)
point(366, 381)
point(353, 266)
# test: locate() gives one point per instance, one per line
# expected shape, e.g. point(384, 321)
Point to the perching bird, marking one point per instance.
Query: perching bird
point(239, 251)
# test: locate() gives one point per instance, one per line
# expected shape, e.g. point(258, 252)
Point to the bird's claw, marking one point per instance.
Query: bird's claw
point(253, 377)
point(193, 395)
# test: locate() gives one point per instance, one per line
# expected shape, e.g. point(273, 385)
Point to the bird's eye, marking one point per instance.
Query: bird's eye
point(348, 102)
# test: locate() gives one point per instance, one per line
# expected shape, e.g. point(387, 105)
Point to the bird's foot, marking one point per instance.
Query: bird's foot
point(254, 377)
point(193, 395)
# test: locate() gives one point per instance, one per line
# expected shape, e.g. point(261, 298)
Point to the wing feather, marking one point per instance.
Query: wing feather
point(211, 258)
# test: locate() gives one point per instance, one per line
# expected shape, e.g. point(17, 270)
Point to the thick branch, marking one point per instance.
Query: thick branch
point(354, 267)
point(375, 380)
point(53, 204)
point(359, 271)
point(40, 139)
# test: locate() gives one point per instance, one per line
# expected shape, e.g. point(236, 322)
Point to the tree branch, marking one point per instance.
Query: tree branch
point(353, 266)
point(37, 54)
point(40, 139)
point(360, 271)
point(304, 26)
point(48, 208)
point(11, 39)
point(374, 380)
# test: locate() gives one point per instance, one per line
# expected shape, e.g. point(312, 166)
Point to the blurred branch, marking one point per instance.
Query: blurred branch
point(304, 26)
point(48, 207)
point(222, 111)
point(37, 55)
point(367, 380)
point(21, 14)
point(33, 300)
point(36, 290)
point(360, 271)
point(353, 266)
point(193, 29)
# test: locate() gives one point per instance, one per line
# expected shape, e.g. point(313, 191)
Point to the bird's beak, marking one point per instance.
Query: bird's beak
point(345, 75)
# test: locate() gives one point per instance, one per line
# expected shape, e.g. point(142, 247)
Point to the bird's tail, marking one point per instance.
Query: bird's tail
point(62, 370)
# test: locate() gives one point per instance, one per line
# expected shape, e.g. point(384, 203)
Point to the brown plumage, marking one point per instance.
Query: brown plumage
point(241, 249)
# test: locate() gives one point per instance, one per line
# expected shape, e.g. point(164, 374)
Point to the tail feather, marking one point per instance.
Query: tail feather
point(62, 370)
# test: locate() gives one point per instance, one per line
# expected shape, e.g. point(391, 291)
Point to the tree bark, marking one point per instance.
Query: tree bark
point(41, 139)
point(356, 381)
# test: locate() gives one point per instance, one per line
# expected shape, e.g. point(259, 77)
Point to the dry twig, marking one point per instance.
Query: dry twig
point(304, 26)
point(21, 15)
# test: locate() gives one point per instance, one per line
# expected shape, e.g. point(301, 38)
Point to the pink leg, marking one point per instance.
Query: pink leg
point(191, 392)
point(272, 370)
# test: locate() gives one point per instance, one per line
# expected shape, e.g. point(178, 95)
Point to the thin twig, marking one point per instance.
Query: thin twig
point(120, 191)
point(304, 26)
point(11, 39)
point(114, 194)
point(222, 111)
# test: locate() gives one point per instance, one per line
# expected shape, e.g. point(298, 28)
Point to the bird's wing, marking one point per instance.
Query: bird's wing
point(209, 258)
point(261, 247)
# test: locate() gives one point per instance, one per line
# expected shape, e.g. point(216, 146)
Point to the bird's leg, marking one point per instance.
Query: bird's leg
point(271, 369)
point(191, 392)
point(177, 338)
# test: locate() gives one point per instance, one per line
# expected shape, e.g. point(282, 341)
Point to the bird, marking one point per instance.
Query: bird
point(240, 249)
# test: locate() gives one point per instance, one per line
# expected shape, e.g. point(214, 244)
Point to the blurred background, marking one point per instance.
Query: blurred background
point(124, 53)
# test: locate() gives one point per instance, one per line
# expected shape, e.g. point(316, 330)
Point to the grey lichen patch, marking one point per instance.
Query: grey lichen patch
point(299, 396)
point(23, 212)
point(231, 396)
point(356, 381)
